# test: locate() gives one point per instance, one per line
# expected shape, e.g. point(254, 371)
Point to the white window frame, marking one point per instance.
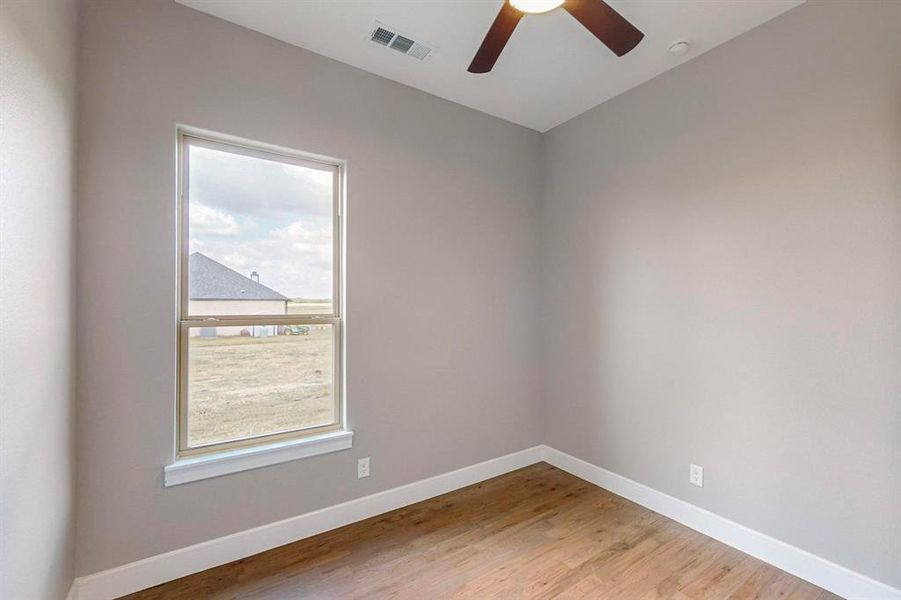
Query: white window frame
point(325, 436)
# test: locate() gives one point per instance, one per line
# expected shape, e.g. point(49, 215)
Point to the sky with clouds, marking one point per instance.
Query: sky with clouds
point(275, 218)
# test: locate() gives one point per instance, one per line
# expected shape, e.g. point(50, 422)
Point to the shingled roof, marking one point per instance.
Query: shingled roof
point(211, 280)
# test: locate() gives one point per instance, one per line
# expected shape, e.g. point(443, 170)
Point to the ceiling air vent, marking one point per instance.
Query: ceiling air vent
point(402, 44)
point(383, 35)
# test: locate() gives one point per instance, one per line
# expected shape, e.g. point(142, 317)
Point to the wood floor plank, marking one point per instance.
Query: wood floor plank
point(535, 533)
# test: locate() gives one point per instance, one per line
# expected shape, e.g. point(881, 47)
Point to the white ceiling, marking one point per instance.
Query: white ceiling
point(551, 70)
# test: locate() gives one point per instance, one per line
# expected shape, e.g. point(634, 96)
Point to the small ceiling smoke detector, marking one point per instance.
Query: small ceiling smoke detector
point(678, 48)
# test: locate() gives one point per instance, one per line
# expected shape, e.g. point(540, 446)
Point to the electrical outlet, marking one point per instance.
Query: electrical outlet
point(696, 475)
point(363, 468)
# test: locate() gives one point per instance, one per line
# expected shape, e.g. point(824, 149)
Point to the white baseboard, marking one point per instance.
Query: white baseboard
point(73, 591)
point(819, 571)
point(155, 570)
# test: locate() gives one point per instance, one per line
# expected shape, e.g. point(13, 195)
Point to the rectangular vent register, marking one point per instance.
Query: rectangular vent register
point(389, 37)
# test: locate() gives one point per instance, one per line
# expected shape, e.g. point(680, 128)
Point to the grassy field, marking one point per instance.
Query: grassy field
point(245, 386)
point(312, 307)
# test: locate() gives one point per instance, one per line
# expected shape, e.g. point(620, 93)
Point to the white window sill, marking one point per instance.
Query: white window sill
point(242, 459)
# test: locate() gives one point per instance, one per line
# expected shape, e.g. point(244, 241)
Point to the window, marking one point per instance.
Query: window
point(260, 344)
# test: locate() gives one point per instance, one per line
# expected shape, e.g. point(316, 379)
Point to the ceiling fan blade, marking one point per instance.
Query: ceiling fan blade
point(605, 23)
point(495, 39)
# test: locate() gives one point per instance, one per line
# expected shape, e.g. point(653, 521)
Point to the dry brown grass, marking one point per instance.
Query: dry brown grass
point(311, 307)
point(246, 386)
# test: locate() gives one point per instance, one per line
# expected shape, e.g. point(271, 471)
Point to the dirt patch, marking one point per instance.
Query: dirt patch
point(246, 386)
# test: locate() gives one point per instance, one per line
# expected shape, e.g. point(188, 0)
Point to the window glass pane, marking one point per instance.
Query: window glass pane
point(252, 380)
point(260, 235)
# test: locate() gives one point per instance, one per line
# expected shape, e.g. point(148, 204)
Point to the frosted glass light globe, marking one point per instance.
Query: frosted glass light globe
point(535, 6)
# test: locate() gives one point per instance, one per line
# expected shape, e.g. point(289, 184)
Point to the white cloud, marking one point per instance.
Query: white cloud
point(295, 260)
point(260, 189)
point(206, 220)
point(266, 216)
point(312, 243)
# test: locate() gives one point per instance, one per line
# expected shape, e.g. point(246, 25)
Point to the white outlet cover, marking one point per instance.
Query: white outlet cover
point(363, 468)
point(696, 475)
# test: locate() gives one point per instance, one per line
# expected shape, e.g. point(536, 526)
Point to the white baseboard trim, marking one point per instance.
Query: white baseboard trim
point(161, 568)
point(154, 570)
point(73, 591)
point(819, 571)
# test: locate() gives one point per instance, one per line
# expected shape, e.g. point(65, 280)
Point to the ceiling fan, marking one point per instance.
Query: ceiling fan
point(595, 15)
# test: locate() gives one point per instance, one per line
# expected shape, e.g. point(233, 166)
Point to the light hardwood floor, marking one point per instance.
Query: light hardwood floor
point(535, 533)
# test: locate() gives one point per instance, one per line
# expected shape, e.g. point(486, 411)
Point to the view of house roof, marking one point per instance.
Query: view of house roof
point(211, 280)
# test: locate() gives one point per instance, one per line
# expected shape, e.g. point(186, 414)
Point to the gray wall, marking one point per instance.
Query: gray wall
point(720, 281)
point(722, 285)
point(442, 269)
point(37, 133)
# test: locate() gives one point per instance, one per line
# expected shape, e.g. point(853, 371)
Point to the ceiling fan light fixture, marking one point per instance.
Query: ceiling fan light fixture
point(598, 17)
point(535, 6)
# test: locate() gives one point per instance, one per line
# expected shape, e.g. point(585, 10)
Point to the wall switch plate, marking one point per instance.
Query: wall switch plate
point(696, 475)
point(363, 468)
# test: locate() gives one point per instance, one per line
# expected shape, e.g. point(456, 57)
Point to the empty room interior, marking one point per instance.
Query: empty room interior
point(474, 299)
